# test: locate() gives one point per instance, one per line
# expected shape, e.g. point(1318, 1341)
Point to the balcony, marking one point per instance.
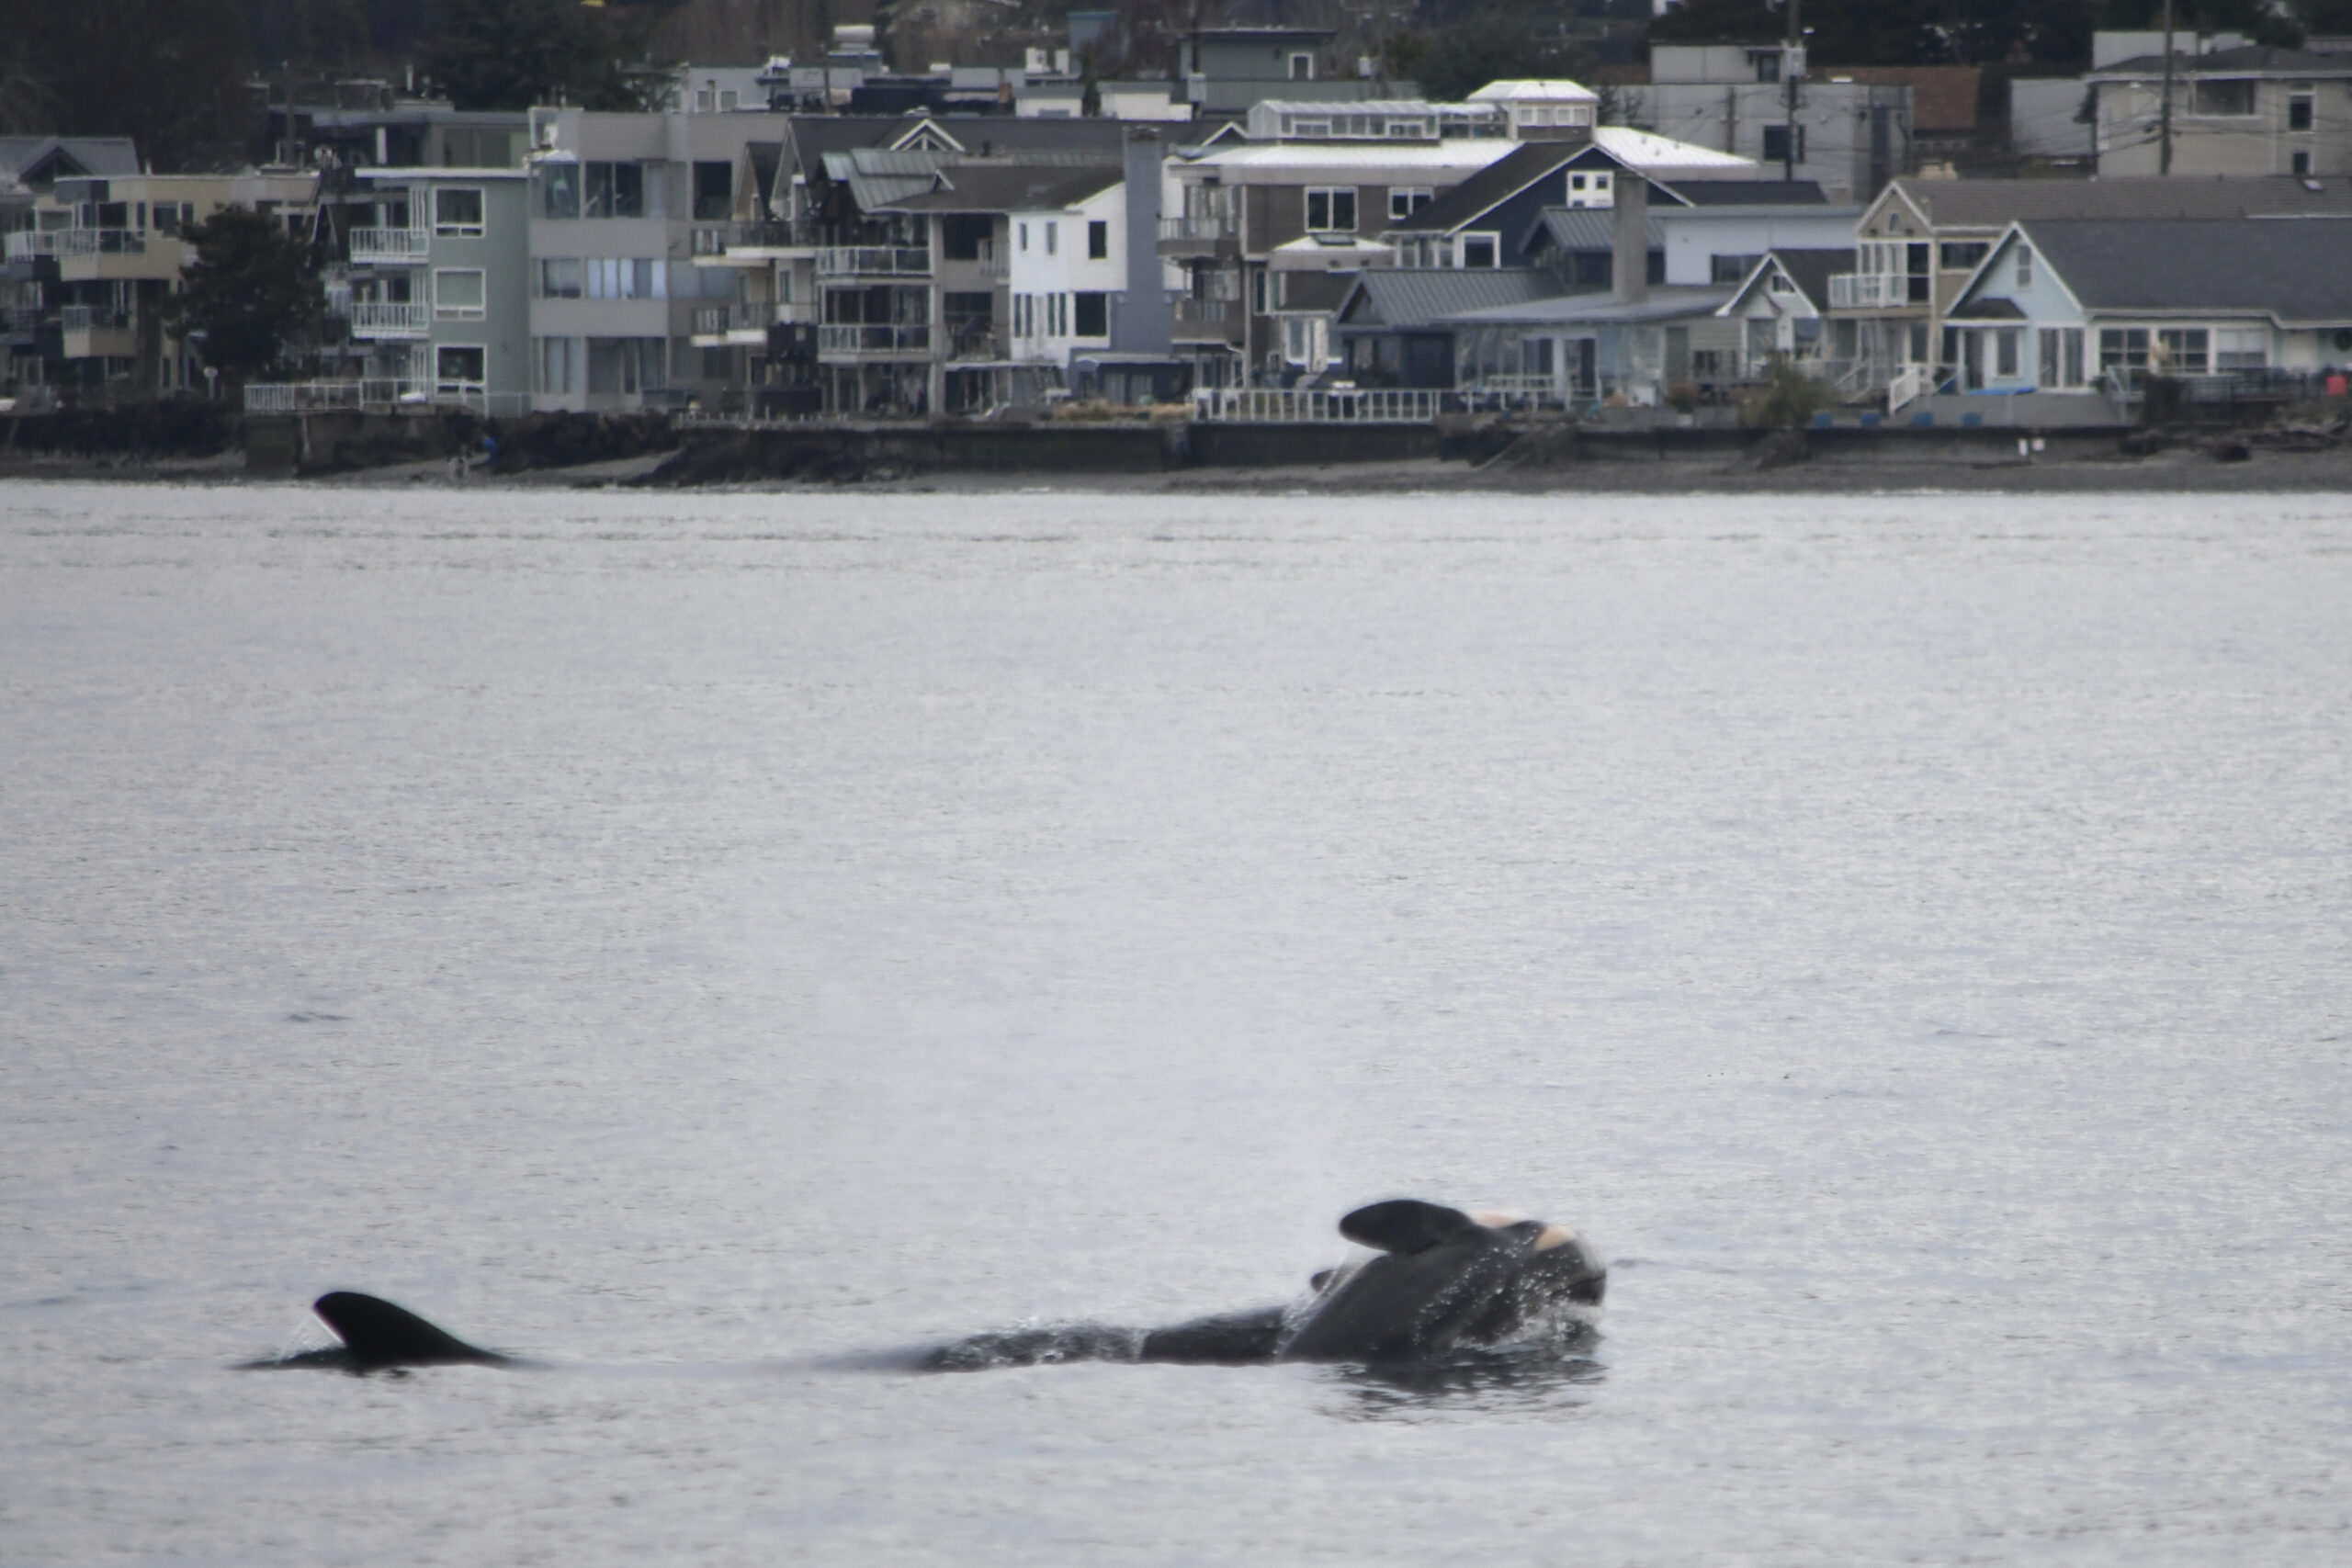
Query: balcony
point(896, 340)
point(26, 244)
point(1201, 235)
point(977, 341)
point(746, 324)
point(721, 244)
point(92, 319)
point(874, 260)
point(393, 246)
point(1208, 320)
point(400, 318)
point(1876, 290)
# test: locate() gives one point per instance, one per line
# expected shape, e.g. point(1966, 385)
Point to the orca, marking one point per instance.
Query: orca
point(379, 1336)
point(1443, 1283)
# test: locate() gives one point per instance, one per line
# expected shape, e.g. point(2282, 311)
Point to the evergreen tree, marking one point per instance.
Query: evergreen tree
point(512, 54)
point(251, 293)
point(170, 74)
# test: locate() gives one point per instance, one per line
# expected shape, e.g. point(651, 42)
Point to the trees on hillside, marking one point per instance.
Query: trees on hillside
point(511, 55)
point(1978, 32)
point(251, 293)
point(170, 74)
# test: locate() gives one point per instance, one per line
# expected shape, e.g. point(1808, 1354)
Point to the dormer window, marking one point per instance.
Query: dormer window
point(1302, 67)
point(1594, 187)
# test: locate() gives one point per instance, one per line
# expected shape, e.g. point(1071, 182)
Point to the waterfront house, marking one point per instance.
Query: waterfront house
point(2096, 305)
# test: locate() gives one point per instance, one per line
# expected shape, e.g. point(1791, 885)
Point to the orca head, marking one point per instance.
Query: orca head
point(1443, 1277)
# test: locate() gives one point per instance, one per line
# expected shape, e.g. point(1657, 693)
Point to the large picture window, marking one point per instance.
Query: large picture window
point(458, 294)
point(559, 189)
point(458, 370)
point(457, 210)
point(620, 190)
point(1092, 314)
point(1331, 209)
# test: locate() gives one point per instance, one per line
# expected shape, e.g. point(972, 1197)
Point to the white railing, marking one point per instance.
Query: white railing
point(27, 244)
point(378, 318)
point(1910, 384)
point(390, 244)
point(320, 396)
point(1868, 290)
point(873, 339)
point(874, 260)
point(1370, 405)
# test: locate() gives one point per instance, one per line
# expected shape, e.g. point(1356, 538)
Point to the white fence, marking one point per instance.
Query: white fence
point(1369, 405)
point(874, 260)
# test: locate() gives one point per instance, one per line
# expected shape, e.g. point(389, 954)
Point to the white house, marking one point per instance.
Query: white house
point(1068, 264)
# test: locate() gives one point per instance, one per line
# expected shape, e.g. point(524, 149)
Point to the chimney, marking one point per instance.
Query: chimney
point(1143, 320)
point(1629, 228)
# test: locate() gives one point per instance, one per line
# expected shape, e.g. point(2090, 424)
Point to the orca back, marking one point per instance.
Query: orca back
point(381, 1335)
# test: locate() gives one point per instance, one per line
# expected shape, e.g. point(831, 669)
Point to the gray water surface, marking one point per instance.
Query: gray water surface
point(701, 941)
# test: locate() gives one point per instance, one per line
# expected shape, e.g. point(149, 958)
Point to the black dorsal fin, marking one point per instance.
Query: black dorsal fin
point(381, 1335)
point(1405, 1225)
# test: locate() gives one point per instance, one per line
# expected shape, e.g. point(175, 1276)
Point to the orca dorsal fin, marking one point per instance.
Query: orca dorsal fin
point(381, 1335)
point(1405, 1225)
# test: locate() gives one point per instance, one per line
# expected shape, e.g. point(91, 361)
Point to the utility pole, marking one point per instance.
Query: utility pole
point(1791, 69)
point(2164, 116)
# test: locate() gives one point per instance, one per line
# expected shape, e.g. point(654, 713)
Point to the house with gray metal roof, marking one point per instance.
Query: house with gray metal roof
point(2082, 304)
point(1394, 326)
point(1779, 308)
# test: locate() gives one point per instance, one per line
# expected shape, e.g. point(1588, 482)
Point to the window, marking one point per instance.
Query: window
point(1053, 236)
point(2299, 163)
point(464, 148)
point(1726, 270)
point(1057, 306)
point(458, 296)
point(1766, 63)
point(1482, 250)
point(1092, 315)
point(713, 191)
point(1780, 283)
point(2025, 266)
point(1331, 209)
point(559, 365)
point(618, 190)
point(2224, 97)
point(1302, 68)
point(2299, 110)
point(1961, 256)
point(457, 210)
point(1776, 143)
point(458, 370)
point(1098, 242)
point(2004, 350)
point(1593, 189)
point(558, 190)
point(1595, 269)
point(1024, 235)
point(2240, 348)
point(2062, 357)
point(627, 277)
point(1405, 200)
point(2123, 353)
point(622, 365)
point(2185, 350)
point(559, 278)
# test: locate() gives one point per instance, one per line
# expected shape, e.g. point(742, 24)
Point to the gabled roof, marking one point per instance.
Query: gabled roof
point(43, 159)
point(1558, 89)
point(1391, 296)
point(2289, 268)
point(1994, 204)
point(1008, 187)
point(1647, 150)
point(1489, 187)
point(2252, 60)
point(1809, 270)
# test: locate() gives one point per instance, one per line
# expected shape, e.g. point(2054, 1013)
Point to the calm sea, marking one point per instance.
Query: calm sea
point(700, 940)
